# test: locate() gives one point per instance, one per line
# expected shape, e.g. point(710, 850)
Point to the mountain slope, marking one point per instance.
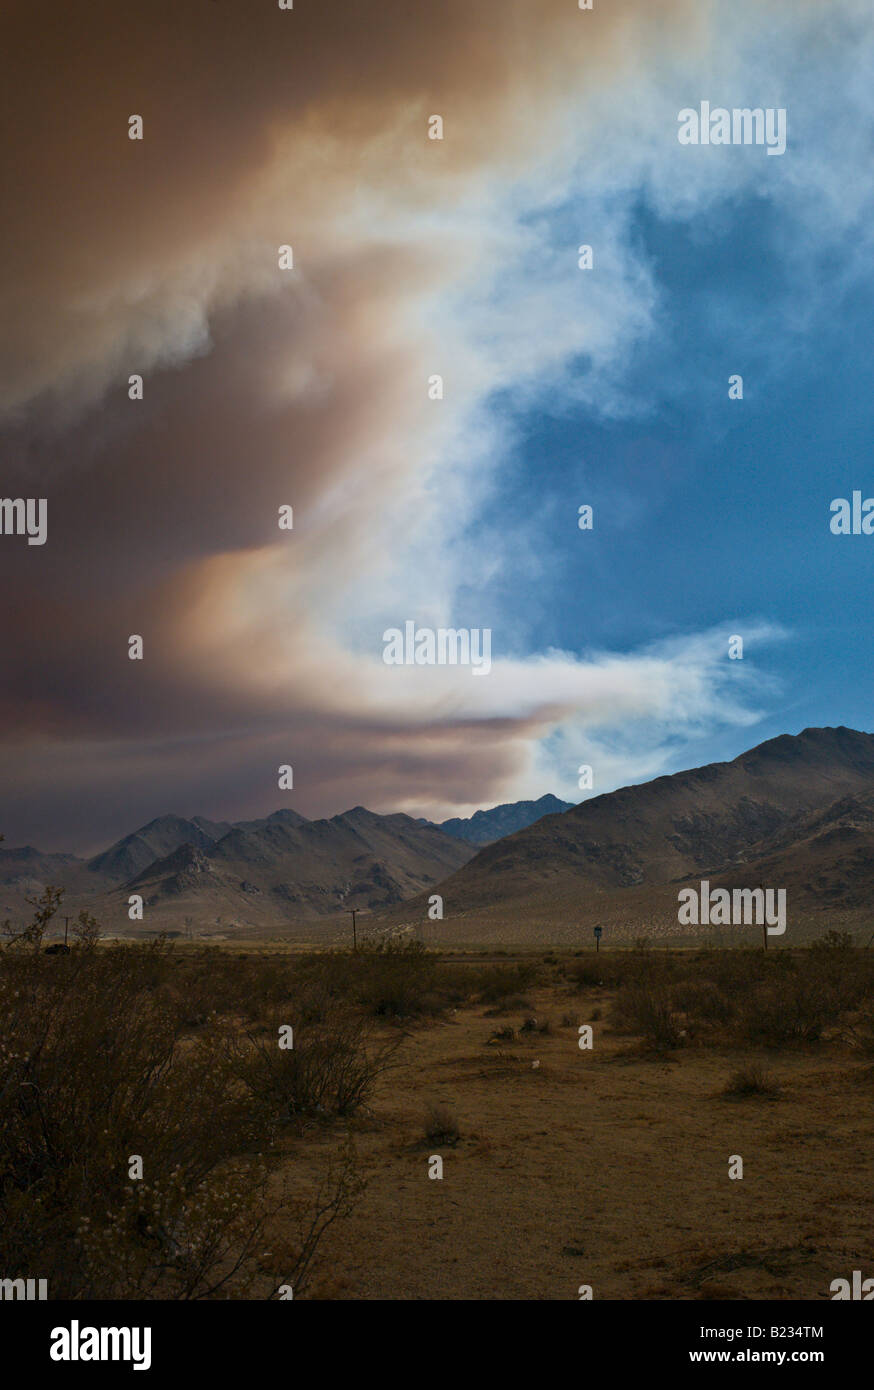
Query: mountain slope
point(29, 865)
point(484, 827)
point(667, 829)
point(823, 858)
point(156, 840)
point(275, 869)
point(159, 839)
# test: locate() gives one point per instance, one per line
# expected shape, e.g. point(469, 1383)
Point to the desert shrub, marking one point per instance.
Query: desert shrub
point(441, 1126)
point(733, 972)
point(586, 973)
point(330, 1070)
point(496, 983)
point(171, 1241)
point(751, 1080)
point(403, 979)
point(396, 980)
point(30, 938)
point(702, 1000)
point(451, 982)
point(262, 986)
point(92, 1074)
point(533, 1025)
point(847, 973)
point(796, 1008)
point(95, 1066)
point(388, 978)
point(612, 969)
point(646, 1009)
point(248, 987)
point(833, 941)
point(859, 1032)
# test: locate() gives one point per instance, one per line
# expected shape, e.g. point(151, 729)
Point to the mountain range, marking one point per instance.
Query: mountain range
point(258, 872)
point(795, 812)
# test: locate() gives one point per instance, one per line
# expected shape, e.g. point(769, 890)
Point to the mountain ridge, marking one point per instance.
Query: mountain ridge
point(484, 827)
point(796, 811)
point(357, 858)
point(661, 832)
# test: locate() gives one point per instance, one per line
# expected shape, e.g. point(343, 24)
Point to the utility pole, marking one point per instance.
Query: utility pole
point(352, 910)
point(66, 925)
point(765, 934)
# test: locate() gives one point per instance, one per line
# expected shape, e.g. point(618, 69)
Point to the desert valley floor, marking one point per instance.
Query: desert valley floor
point(606, 1167)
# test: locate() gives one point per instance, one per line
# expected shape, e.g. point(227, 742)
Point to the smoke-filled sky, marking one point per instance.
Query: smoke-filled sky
point(309, 387)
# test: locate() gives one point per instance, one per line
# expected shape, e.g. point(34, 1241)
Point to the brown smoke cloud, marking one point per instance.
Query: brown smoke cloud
point(160, 257)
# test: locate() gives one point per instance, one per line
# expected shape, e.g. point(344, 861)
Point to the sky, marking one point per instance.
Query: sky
point(309, 387)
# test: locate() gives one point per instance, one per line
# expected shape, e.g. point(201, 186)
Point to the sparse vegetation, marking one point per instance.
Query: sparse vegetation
point(497, 984)
point(505, 1034)
point(331, 1069)
point(646, 1009)
point(751, 1080)
point(132, 1137)
point(739, 998)
point(171, 1052)
point(441, 1126)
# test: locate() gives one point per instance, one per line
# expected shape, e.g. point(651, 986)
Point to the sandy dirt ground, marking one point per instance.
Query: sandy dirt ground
point(606, 1168)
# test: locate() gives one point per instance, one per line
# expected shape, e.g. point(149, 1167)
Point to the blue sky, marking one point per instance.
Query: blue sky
point(709, 509)
point(710, 514)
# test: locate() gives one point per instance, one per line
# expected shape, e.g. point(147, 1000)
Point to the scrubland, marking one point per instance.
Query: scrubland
point(307, 1167)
